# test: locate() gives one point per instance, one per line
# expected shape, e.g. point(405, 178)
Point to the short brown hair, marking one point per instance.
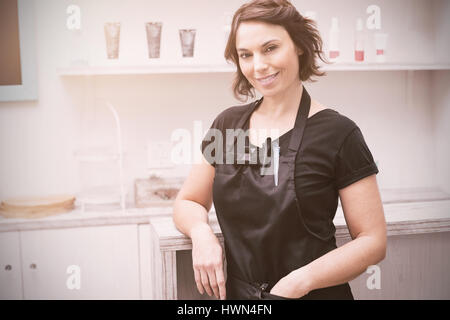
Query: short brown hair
point(302, 31)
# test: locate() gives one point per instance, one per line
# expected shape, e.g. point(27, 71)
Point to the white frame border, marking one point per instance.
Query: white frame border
point(28, 90)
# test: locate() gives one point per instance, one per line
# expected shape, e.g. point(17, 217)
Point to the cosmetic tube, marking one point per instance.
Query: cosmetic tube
point(334, 40)
point(380, 47)
point(359, 41)
point(228, 19)
point(153, 30)
point(112, 36)
point(187, 39)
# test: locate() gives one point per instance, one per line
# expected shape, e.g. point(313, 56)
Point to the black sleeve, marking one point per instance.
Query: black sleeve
point(354, 160)
point(212, 143)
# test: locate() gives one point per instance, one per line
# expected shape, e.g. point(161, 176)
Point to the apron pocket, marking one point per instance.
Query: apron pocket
point(238, 289)
point(270, 296)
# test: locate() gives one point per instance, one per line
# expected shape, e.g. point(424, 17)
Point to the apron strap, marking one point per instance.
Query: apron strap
point(297, 133)
point(240, 125)
point(300, 122)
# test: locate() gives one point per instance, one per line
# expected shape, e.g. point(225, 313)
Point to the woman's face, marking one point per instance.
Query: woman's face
point(267, 56)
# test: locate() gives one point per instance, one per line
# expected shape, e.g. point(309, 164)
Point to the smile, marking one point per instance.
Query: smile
point(268, 80)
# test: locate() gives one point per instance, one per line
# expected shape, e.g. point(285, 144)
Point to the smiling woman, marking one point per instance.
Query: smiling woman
point(272, 64)
point(304, 43)
point(278, 228)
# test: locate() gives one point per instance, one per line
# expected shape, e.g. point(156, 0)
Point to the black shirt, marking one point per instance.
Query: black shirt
point(333, 155)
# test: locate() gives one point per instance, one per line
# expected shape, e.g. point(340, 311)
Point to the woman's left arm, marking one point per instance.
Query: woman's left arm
point(363, 211)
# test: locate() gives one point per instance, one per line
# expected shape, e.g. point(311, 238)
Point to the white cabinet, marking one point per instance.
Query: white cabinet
point(81, 263)
point(10, 273)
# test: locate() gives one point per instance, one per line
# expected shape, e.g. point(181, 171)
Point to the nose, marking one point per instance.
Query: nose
point(259, 64)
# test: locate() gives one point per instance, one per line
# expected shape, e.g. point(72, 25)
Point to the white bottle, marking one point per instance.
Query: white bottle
point(359, 41)
point(228, 19)
point(334, 40)
point(380, 47)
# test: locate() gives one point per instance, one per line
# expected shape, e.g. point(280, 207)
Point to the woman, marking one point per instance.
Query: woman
point(278, 227)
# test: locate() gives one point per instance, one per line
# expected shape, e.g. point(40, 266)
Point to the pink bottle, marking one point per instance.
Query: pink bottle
point(334, 40)
point(359, 41)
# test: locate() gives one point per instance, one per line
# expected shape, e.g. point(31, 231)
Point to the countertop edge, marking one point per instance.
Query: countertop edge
point(182, 242)
point(405, 218)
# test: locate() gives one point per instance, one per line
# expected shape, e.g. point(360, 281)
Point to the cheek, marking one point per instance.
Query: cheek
point(292, 65)
point(246, 69)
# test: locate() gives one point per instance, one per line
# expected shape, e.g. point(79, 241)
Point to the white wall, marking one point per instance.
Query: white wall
point(37, 139)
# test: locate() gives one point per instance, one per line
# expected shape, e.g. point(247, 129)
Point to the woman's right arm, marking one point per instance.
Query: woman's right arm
point(190, 215)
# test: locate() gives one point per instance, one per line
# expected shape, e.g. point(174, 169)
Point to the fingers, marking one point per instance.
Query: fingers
point(198, 280)
point(205, 282)
point(208, 268)
point(211, 280)
point(221, 283)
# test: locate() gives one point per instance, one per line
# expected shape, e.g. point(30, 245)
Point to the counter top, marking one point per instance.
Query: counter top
point(406, 210)
point(401, 218)
point(78, 218)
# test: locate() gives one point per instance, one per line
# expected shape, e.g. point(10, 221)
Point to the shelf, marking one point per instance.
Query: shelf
point(225, 68)
point(385, 67)
point(145, 69)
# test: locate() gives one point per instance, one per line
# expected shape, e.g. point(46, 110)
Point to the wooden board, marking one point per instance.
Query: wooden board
point(36, 207)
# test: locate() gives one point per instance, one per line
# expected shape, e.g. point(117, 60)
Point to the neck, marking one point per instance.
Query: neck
point(283, 103)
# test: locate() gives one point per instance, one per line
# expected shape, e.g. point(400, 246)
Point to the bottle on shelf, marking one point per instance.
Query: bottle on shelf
point(228, 19)
point(359, 41)
point(380, 47)
point(334, 40)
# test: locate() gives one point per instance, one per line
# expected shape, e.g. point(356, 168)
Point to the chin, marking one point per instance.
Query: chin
point(269, 92)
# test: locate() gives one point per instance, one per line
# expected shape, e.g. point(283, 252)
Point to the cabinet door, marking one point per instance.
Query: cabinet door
point(145, 259)
point(81, 263)
point(10, 268)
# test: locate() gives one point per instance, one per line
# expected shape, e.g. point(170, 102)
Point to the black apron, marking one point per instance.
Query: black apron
point(265, 235)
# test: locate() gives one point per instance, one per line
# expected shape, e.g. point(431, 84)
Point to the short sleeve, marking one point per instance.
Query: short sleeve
point(354, 160)
point(212, 143)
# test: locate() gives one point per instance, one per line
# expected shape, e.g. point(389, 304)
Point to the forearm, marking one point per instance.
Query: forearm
point(189, 216)
point(344, 263)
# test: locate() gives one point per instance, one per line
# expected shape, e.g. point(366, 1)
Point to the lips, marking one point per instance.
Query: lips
point(268, 79)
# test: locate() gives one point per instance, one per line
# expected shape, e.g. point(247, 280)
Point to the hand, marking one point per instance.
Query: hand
point(207, 261)
point(295, 285)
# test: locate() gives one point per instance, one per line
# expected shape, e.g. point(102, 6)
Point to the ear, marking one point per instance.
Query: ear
point(299, 51)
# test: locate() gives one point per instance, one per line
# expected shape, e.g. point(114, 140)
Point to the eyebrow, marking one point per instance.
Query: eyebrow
point(264, 44)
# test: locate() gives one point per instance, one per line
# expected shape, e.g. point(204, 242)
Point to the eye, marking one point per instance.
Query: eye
point(244, 55)
point(271, 48)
